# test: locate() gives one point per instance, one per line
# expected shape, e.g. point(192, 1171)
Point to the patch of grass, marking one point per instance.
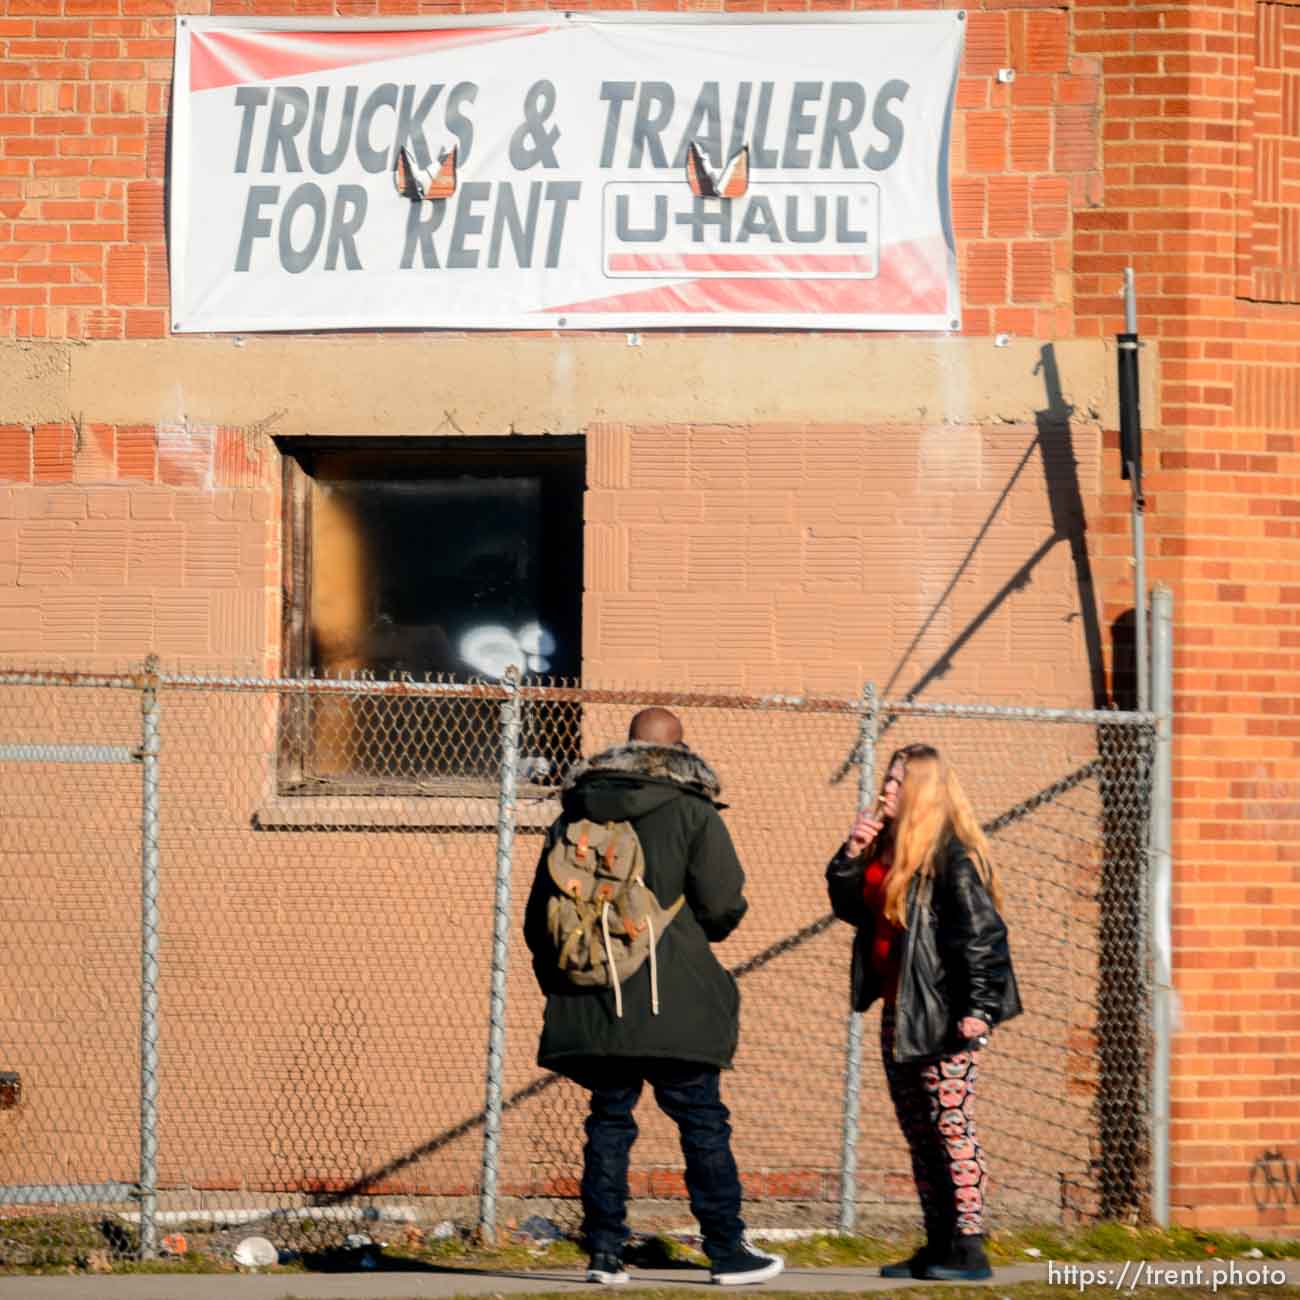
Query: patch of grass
point(1102, 1241)
point(67, 1243)
point(55, 1243)
point(1120, 1241)
point(192, 1262)
point(512, 1256)
point(831, 1250)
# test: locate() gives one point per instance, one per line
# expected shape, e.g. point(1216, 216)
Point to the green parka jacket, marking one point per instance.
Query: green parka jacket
point(670, 796)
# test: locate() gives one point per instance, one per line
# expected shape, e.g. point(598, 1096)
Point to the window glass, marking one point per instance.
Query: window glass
point(449, 562)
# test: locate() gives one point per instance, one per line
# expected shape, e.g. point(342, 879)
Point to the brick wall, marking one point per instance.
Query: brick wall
point(1197, 119)
point(84, 130)
point(1124, 138)
point(120, 540)
point(738, 557)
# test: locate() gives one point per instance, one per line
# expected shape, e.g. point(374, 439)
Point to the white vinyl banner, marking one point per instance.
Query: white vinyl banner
point(543, 171)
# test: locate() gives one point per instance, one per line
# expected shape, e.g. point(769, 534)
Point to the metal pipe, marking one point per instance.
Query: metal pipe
point(853, 1041)
point(117, 681)
point(489, 691)
point(149, 747)
point(67, 1193)
point(1130, 421)
point(333, 685)
point(67, 754)
point(1140, 606)
point(492, 1106)
point(233, 1218)
point(1009, 712)
point(1160, 901)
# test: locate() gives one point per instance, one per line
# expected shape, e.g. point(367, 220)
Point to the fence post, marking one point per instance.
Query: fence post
point(149, 823)
point(1159, 902)
point(487, 1214)
point(853, 1043)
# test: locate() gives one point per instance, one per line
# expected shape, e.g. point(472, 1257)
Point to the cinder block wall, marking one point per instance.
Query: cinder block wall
point(807, 522)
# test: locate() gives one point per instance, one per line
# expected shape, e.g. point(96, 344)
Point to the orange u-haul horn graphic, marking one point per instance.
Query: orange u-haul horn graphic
point(730, 182)
point(413, 182)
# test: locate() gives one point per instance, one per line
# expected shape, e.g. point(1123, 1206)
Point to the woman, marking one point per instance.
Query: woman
point(916, 879)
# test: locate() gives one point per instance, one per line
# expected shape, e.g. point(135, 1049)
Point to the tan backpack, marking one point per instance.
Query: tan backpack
point(605, 920)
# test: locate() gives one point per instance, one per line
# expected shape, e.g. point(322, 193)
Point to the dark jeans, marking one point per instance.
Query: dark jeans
point(687, 1093)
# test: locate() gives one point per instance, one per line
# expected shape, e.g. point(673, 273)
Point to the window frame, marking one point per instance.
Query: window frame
point(299, 459)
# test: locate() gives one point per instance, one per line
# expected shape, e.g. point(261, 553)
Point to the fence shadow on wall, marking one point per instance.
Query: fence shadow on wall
point(1109, 1068)
point(1054, 443)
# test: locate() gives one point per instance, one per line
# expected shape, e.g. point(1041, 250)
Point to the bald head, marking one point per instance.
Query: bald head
point(656, 726)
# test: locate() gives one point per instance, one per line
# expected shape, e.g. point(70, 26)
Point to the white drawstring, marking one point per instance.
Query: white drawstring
point(609, 956)
point(654, 970)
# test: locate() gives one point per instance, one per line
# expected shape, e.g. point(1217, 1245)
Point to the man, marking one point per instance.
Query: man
point(669, 796)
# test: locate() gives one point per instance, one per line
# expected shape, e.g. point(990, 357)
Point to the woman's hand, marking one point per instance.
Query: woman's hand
point(862, 834)
point(971, 1027)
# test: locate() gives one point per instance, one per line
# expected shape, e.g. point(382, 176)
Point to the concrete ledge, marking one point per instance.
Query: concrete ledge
point(396, 812)
point(547, 383)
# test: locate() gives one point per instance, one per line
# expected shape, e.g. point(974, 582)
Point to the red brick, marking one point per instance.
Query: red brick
point(52, 446)
point(1031, 141)
point(1031, 272)
point(986, 141)
point(986, 43)
point(968, 205)
point(137, 452)
point(146, 324)
point(985, 273)
point(1033, 91)
point(145, 221)
point(105, 323)
point(1046, 42)
point(1050, 204)
point(1008, 206)
point(1075, 144)
point(15, 453)
point(159, 283)
point(125, 276)
point(1077, 90)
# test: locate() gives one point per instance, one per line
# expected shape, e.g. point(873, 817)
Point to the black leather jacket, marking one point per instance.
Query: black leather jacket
point(955, 961)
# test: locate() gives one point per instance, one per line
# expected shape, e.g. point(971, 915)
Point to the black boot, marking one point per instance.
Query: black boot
point(913, 1266)
point(963, 1261)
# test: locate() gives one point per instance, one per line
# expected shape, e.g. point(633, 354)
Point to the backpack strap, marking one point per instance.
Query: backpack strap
point(613, 967)
point(669, 913)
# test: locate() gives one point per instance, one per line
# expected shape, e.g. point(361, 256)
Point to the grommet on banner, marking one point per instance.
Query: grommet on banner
point(1006, 75)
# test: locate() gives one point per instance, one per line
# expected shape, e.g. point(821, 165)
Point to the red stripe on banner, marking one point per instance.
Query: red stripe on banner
point(231, 58)
point(913, 279)
point(687, 262)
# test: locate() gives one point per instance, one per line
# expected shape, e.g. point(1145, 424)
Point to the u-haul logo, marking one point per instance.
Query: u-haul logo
point(789, 229)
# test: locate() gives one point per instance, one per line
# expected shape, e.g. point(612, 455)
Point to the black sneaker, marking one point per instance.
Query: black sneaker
point(963, 1261)
point(914, 1266)
point(745, 1264)
point(606, 1269)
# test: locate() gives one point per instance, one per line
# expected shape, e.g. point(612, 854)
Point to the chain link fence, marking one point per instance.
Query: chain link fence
point(266, 973)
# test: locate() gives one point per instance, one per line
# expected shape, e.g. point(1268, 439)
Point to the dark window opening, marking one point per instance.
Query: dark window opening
point(428, 560)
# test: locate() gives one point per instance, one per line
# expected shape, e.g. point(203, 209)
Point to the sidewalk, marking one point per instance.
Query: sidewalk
point(427, 1283)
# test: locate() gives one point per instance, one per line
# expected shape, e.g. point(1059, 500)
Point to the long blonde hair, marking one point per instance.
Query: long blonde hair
point(932, 806)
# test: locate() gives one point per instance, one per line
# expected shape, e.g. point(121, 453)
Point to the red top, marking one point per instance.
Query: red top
point(886, 948)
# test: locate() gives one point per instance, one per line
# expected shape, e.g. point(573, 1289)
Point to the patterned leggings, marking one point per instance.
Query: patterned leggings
point(935, 1104)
